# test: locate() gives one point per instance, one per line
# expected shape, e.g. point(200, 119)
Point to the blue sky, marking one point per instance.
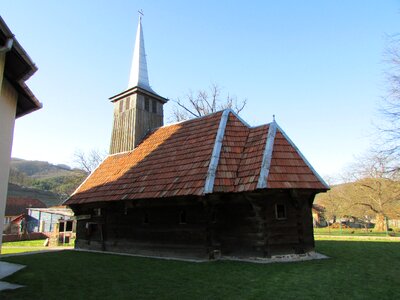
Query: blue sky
point(317, 65)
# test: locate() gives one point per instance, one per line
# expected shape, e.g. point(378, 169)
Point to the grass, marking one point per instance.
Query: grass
point(33, 243)
point(27, 246)
point(352, 232)
point(22, 246)
point(14, 250)
point(356, 270)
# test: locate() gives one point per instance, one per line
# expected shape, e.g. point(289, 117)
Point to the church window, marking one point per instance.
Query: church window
point(146, 104)
point(121, 105)
point(280, 211)
point(154, 107)
point(127, 103)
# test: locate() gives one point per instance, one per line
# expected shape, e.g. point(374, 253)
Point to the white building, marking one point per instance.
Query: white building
point(16, 100)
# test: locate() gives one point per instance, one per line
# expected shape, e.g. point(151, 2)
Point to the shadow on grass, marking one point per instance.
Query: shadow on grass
point(356, 270)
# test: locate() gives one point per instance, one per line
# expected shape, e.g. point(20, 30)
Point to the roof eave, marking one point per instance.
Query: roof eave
point(27, 102)
point(136, 89)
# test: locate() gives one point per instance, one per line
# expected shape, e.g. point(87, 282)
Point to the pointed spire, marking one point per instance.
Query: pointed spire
point(139, 76)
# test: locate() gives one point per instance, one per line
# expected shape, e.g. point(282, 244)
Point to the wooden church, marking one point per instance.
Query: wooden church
point(204, 188)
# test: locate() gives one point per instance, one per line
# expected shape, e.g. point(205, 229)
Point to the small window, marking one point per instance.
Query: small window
point(280, 211)
point(127, 103)
point(121, 105)
point(182, 217)
point(97, 211)
point(146, 104)
point(154, 107)
point(145, 218)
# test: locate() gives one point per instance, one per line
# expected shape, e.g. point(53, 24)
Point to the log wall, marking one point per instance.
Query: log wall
point(240, 225)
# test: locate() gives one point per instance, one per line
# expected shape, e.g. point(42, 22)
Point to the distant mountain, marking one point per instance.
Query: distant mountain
point(43, 169)
point(61, 180)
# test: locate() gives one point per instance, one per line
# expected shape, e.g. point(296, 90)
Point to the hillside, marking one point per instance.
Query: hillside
point(61, 180)
point(48, 198)
point(43, 169)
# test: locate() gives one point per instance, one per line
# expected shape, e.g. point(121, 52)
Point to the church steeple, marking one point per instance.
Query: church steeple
point(138, 109)
point(139, 75)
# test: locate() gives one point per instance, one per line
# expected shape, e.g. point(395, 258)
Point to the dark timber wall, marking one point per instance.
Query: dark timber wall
point(242, 225)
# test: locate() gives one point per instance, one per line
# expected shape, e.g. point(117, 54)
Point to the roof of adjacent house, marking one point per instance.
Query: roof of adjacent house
point(58, 210)
point(217, 153)
point(18, 68)
point(16, 205)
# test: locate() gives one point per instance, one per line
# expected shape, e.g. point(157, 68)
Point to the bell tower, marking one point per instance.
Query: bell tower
point(138, 109)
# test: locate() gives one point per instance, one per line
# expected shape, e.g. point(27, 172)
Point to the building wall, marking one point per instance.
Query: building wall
point(8, 106)
point(43, 221)
point(240, 225)
point(154, 231)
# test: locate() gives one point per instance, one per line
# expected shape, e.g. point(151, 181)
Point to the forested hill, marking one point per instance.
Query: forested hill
point(42, 169)
point(47, 197)
point(59, 179)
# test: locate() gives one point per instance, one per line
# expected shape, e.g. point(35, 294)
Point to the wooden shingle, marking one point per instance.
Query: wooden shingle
point(174, 160)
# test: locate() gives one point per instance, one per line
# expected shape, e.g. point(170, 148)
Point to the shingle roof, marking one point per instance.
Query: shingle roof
point(177, 160)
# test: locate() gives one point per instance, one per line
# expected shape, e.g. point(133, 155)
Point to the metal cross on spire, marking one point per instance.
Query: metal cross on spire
point(141, 14)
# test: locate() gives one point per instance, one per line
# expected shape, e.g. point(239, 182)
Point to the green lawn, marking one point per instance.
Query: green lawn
point(26, 246)
point(353, 231)
point(34, 243)
point(22, 246)
point(14, 250)
point(356, 270)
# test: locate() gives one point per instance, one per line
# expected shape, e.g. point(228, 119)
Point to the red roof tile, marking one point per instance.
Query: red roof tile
point(174, 160)
point(250, 164)
point(288, 169)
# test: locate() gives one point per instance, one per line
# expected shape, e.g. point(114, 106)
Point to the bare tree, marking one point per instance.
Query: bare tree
point(371, 192)
point(390, 108)
point(88, 161)
point(376, 187)
point(337, 203)
point(204, 102)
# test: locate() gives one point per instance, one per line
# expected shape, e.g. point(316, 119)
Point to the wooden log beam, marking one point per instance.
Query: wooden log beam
point(261, 236)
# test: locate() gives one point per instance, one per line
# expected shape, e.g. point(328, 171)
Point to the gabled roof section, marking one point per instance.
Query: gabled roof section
point(234, 142)
point(289, 168)
point(250, 165)
point(171, 161)
point(217, 153)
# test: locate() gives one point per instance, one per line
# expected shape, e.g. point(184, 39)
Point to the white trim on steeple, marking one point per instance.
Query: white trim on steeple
point(139, 76)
